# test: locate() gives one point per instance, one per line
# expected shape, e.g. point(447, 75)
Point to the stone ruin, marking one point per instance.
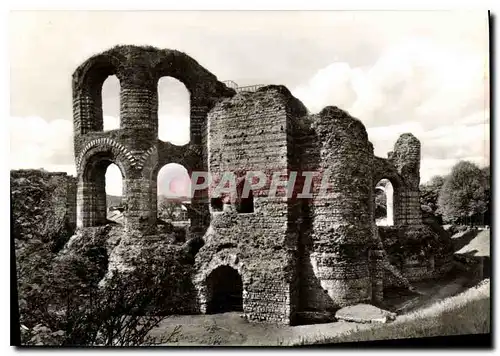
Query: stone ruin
point(283, 255)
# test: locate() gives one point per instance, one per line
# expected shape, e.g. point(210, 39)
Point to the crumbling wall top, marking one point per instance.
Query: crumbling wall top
point(144, 65)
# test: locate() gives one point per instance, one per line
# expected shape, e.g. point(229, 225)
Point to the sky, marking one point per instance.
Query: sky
point(415, 71)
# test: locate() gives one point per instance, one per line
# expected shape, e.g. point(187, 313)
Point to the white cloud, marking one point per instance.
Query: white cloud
point(173, 111)
point(110, 122)
point(430, 167)
point(441, 147)
point(36, 143)
point(174, 129)
point(438, 93)
point(173, 180)
point(419, 72)
point(384, 137)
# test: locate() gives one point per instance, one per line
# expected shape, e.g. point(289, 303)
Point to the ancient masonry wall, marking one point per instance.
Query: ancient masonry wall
point(249, 132)
point(135, 147)
point(335, 261)
point(52, 196)
point(292, 254)
point(406, 159)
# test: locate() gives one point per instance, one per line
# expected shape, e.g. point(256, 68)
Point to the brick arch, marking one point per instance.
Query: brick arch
point(121, 156)
point(91, 194)
point(393, 202)
point(135, 145)
point(384, 169)
point(223, 258)
point(203, 87)
point(198, 80)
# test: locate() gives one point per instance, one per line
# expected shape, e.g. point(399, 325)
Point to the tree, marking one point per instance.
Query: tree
point(168, 209)
point(463, 193)
point(429, 194)
point(487, 192)
point(74, 307)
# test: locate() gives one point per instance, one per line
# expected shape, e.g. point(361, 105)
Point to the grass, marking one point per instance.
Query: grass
point(479, 245)
point(466, 313)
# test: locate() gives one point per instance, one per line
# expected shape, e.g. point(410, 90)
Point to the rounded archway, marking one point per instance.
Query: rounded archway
point(225, 290)
point(171, 200)
point(384, 203)
point(114, 194)
point(96, 183)
point(110, 94)
point(174, 111)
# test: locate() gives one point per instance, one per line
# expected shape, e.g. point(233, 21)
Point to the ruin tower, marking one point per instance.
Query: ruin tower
point(135, 147)
point(406, 159)
point(250, 249)
point(341, 214)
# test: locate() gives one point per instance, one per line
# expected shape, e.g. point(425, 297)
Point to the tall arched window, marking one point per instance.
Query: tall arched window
point(114, 194)
point(384, 203)
point(173, 111)
point(111, 103)
point(173, 199)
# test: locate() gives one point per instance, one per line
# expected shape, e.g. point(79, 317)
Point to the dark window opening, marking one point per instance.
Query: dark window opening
point(246, 205)
point(216, 204)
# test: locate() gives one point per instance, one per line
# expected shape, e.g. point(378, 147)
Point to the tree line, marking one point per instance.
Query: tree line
point(461, 197)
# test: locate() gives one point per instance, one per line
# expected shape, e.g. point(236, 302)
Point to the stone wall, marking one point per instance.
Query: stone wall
point(334, 261)
point(43, 204)
point(135, 147)
point(250, 132)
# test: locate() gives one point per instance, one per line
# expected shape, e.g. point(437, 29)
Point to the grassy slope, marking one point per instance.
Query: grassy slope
point(479, 246)
point(466, 313)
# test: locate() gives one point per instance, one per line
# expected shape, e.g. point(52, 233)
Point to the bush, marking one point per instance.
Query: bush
point(403, 242)
point(78, 307)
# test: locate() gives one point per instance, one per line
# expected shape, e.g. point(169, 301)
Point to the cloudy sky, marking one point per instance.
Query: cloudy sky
point(419, 72)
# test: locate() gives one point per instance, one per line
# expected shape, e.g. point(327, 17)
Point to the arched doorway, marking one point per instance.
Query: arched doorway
point(97, 187)
point(225, 290)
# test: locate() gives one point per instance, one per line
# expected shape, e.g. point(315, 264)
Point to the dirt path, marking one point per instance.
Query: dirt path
point(231, 329)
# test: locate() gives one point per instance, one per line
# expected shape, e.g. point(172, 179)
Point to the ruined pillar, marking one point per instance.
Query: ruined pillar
point(138, 104)
point(199, 211)
point(389, 195)
point(406, 158)
point(91, 204)
point(138, 214)
point(343, 216)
